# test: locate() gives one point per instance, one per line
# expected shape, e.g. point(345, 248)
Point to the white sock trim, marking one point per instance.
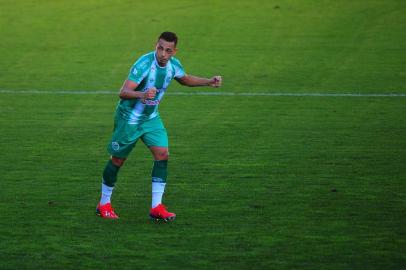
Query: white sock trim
point(158, 187)
point(158, 190)
point(106, 194)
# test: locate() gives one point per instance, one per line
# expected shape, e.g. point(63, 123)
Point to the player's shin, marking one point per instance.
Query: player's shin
point(109, 179)
point(159, 175)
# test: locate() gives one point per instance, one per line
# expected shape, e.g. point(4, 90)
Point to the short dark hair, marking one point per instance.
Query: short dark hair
point(169, 36)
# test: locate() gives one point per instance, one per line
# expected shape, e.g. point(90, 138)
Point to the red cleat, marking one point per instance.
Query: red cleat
point(159, 213)
point(106, 211)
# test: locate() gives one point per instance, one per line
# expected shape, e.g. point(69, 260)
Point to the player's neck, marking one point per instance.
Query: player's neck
point(160, 65)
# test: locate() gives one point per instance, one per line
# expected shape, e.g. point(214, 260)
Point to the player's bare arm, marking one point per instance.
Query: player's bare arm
point(190, 80)
point(127, 91)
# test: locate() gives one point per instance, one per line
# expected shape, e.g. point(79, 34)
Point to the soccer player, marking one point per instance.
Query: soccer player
point(137, 117)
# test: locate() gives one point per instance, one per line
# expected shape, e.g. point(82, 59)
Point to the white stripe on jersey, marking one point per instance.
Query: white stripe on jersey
point(136, 112)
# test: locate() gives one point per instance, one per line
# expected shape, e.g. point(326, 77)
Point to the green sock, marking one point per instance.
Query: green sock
point(110, 174)
point(160, 171)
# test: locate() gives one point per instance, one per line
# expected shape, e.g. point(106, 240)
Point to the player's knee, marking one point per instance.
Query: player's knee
point(118, 161)
point(162, 155)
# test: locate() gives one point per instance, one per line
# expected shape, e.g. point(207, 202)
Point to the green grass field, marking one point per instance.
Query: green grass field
point(257, 181)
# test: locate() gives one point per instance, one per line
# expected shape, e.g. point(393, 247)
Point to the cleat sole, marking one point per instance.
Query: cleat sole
point(169, 219)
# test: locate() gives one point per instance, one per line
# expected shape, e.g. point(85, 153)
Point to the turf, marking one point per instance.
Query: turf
point(257, 182)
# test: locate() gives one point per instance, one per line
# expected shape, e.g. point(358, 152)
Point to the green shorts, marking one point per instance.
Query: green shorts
point(125, 136)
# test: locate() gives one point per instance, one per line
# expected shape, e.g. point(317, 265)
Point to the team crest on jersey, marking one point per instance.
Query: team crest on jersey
point(115, 146)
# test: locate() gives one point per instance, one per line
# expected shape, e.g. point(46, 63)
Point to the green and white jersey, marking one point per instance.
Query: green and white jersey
point(147, 73)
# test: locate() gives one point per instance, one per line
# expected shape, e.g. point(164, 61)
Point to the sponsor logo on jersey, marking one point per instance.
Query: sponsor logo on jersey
point(151, 102)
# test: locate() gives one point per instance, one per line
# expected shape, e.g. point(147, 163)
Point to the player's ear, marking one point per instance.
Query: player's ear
point(174, 51)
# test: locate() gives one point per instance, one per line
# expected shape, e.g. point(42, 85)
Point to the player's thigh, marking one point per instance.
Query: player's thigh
point(155, 134)
point(156, 138)
point(124, 138)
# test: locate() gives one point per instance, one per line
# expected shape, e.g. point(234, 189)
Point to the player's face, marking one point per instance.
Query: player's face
point(164, 51)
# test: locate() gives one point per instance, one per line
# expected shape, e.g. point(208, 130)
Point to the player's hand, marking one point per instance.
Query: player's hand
point(215, 81)
point(150, 93)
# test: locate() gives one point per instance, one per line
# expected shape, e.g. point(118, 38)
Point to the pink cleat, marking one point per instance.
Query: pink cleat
point(106, 211)
point(160, 213)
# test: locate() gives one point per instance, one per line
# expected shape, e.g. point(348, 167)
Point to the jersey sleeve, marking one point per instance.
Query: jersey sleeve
point(139, 70)
point(179, 71)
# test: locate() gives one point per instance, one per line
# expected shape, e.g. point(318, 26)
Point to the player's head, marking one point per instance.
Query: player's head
point(169, 37)
point(166, 47)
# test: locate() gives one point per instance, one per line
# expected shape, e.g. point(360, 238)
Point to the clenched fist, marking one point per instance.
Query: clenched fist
point(215, 81)
point(150, 93)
